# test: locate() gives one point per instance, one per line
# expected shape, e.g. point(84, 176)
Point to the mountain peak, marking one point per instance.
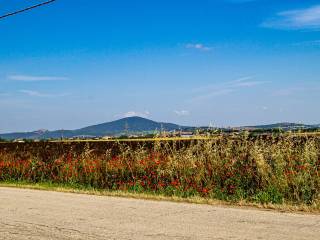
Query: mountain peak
point(133, 124)
point(41, 131)
point(126, 125)
point(134, 118)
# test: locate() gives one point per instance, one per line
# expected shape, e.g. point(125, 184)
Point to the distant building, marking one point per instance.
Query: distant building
point(106, 137)
point(186, 134)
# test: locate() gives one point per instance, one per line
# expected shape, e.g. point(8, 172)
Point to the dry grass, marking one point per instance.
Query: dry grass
point(264, 170)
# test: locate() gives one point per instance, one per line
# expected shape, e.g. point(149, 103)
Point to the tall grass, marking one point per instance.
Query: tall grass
point(263, 169)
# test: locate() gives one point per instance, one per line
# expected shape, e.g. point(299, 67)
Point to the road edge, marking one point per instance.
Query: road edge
point(282, 208)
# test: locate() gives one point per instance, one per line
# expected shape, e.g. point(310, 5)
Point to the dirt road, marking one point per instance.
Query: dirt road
point(29, 214)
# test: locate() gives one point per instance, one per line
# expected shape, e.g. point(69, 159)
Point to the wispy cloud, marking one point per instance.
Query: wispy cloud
point(226, 88)
point(242, 79)
point(248, 84)
point(29, 78)
point(298, 89)
point(211, 94)
point(181, 113)
point(198, 46)
point(240, 1)
point(245, 82)
point(308, 19)
point(33, 93)
point(314, 43)
point(285, 92)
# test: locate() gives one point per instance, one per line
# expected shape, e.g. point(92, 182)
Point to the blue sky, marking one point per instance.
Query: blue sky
point(225, 62)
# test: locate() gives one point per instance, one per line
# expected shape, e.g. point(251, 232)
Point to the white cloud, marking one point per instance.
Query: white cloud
point(242, 79)
point(33, 93)
point(29, 78)
point(182, 112)
point(198, 46)
point(249, 84)
point(144, 114)
point(245, 82)
point(308, 18)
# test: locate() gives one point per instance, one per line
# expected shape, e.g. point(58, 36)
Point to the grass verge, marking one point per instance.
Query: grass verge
point(80, 189)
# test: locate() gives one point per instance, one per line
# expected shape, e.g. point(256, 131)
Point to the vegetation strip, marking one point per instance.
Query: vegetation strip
point(287, 208)
point(280, 169)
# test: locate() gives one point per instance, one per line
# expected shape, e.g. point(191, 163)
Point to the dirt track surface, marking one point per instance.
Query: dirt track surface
point(29, 214)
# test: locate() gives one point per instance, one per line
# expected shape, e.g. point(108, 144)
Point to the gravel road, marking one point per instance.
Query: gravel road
point(31, 214)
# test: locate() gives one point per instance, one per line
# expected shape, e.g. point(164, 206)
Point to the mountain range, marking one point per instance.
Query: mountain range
point(132, 125)
point(284, 126)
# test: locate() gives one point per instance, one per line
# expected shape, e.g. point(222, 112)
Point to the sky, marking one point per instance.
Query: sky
point(72, 64)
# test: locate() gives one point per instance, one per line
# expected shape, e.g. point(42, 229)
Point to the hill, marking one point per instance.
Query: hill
point(284, 126)
point(130, 125)
point(135, 125)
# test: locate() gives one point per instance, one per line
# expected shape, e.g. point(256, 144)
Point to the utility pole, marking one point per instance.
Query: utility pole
point(126, 129)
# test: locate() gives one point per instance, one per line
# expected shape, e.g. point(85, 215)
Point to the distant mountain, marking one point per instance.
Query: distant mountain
point(25, 135)
point(130, 125)
point(134, 125)
point(284, 126)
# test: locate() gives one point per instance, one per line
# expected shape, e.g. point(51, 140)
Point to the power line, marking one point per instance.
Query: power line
point(26, 9)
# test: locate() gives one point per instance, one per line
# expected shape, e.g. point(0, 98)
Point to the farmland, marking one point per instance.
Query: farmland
point(277, 169)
